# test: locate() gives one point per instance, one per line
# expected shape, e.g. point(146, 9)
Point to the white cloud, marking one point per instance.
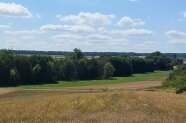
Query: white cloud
point(97, 37)
point(14, 10)
point(105, 41)
point(175, 34)
point(23, 32)
point(184, 14)
point(58, 16)
point(77, 28)
point(86, 18)
point(52, 27)
point(147, 46)
point(5, 27)
point(130, 21)
point(66, 37)
point(102, 30)
point(119, 42)
point(27, 37)
point(177, 41)
point(90, 40)
point(135, 32)
point(24, 43)
point(176, 37)
point(38, 16)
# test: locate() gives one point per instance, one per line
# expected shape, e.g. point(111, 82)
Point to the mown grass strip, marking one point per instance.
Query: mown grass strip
point(114, 80)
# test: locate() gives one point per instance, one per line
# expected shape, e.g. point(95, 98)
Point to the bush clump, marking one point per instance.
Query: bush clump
point(177, 79)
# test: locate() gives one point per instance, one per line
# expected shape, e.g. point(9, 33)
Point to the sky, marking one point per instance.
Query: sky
point(94, 25)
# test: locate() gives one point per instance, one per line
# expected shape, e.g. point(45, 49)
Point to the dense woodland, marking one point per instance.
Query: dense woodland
point(40, 69)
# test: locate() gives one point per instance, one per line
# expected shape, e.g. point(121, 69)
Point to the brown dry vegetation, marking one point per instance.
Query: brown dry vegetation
point(105, 107)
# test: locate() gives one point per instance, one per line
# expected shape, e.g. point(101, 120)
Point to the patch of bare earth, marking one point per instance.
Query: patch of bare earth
point(141, 85)
point(126, 86)
point(7, 90)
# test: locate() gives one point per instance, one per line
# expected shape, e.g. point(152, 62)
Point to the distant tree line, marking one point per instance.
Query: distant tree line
point(64, 53)
point(39, 69)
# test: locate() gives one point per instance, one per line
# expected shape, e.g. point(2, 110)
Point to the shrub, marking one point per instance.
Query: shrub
point(177, 79)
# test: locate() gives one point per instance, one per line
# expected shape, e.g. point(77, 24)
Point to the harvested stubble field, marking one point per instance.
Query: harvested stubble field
point(92, 107)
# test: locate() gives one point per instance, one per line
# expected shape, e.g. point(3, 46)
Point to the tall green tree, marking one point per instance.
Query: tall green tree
point(122, 65)
point(108, 71)
point(68, 70)
point(138, 65)
point(76, 54)
point(161, 61)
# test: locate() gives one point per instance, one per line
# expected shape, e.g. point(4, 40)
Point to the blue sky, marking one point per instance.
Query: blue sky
point(99, 25)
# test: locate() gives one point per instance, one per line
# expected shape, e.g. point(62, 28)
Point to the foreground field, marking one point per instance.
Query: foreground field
point(105, 107)
point(116, 80)
point(94, 101)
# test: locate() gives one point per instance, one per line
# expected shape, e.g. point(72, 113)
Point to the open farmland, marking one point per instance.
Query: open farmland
point(93, 61)
point(83, 104)
point(105, 107)
point(130, 99)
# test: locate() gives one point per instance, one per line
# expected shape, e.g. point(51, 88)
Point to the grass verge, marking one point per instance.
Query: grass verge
point(114, 80)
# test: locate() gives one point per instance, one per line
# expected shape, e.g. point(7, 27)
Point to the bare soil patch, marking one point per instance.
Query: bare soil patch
point(126, 86)
point(141, 85)
point(7, 90)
